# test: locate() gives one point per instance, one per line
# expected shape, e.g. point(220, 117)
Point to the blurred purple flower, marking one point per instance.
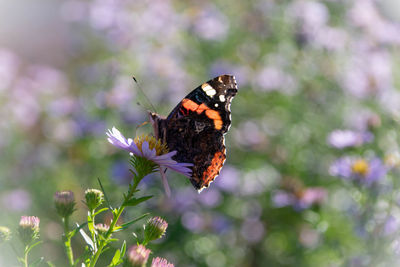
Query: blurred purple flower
point(391, 225)
point(220, 223)
point(103, 14)
point(331, 38)
point(211, 198)
point(16, 200)
point(228, 180)
point(282, 199)
point(368, 71)
point(117, 139)
point(365, 14)
point(120, 173)
point(252, 230)
point(302, 199)
point(362, 170)
point(211, 24)
point(271, 78)
point(347, 138)
point(193, 221)
point(184, 200)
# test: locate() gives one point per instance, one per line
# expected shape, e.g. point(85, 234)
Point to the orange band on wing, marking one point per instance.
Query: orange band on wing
point(189, 104)
point(212, 114)
point(213, 170)
point(201, 108)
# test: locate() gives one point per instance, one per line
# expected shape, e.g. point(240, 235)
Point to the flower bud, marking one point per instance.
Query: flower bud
point(154, 229)
point(138, 256)
point(64, 202)
point(5, 234)
point(28, 229)
point(94, 198)
point(102, 228)
point(160, 262)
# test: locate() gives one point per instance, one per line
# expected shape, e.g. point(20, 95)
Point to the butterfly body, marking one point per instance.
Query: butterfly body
point(196, 128)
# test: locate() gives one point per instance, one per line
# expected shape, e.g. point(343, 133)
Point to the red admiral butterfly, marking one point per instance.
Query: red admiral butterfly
point(195, 128)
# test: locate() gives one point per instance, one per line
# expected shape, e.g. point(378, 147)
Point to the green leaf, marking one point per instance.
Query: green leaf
point(33, 245)
point(50, 264)
point(116, 258)
point(104, 192)
point(127, 224)
point(136, 201)
point(100, 211)
point(123, 249)
point(73, 232)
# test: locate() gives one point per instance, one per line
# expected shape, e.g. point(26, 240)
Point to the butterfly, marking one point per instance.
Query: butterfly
point(196, 128)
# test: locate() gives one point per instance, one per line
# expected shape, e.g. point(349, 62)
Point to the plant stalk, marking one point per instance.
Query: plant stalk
point(67, 241)
point(116, 216)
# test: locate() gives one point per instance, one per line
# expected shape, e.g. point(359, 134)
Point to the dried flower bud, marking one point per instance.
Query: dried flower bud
point(138, 256)
point(64, 202)
point(28, 229)
point(160, 262)
point(154, 229)
point(5, 234)
point(102, 228)
point(94, 198)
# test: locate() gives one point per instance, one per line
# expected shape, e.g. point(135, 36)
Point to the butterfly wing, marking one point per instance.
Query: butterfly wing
point(196, 127)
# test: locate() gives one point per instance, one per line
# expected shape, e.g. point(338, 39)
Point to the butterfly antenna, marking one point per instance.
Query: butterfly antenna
point(141, 90)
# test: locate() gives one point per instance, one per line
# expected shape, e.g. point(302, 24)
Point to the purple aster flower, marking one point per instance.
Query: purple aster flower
point(359, 169)
point(151, 149)
point(347, 138)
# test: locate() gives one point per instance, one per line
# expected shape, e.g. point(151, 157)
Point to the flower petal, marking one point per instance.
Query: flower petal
point(117, 139)
point(147, 152)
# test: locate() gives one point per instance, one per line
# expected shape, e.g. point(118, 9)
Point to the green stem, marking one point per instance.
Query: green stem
point(67, 241)
point(26, 256)
point(116, 216)
point(91, 218)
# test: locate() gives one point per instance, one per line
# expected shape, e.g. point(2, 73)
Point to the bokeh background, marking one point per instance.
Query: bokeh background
point(312, 173)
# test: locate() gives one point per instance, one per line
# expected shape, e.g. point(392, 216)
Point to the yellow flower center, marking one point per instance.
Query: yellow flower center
point(361, 167)
point(160, 147)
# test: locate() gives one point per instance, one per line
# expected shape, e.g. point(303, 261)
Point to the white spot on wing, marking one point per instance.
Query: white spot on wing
point(208, 89)
point(216, 105)
point(211, 92)
point(222, 98)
